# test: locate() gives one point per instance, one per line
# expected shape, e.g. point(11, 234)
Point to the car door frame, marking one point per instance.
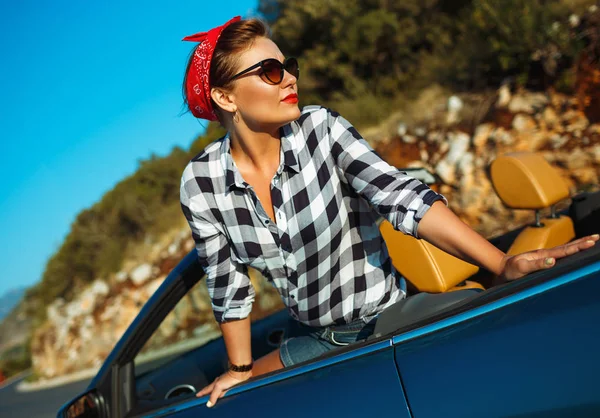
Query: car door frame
point(115, 381)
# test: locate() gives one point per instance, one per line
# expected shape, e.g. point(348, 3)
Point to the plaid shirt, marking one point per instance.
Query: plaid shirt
point(325, 254)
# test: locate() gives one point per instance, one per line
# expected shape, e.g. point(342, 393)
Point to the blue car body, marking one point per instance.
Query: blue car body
point(529, 348)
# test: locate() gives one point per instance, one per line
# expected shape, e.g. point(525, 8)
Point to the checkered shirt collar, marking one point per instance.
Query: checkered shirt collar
point(288, 155)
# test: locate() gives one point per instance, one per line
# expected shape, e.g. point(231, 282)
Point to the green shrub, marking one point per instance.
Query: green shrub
point(350, 49)
point(15, 360)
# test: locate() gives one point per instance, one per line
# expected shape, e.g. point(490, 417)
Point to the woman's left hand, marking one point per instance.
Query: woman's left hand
point(519, 265)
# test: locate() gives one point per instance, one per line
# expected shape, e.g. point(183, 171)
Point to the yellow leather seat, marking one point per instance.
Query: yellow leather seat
point(426, 267)
point(525, 180)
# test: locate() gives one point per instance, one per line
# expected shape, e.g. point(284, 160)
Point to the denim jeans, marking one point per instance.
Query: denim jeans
point(317, 341)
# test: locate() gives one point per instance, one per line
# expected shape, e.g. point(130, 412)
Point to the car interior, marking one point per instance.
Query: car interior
point(441, 284)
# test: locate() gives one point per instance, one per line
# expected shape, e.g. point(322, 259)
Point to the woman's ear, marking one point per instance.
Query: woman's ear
point(223, 99)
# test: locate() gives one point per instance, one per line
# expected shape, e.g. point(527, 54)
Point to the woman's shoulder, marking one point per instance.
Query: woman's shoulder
point(313, 116)
point(317, 110)
point(202, 169)
point(211, 152)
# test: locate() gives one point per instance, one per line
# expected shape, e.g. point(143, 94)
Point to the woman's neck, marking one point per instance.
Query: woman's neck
point(255, 150)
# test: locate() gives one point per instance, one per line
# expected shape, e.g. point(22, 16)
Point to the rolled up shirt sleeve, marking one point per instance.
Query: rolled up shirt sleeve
point(229, 285)
point(399, 198)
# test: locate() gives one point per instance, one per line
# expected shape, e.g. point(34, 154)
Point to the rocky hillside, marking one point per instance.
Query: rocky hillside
point(80, 334)
point(447, 142)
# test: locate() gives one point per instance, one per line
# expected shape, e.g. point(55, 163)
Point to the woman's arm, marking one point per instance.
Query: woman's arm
point(236, 335)
point(412, 208)
point(396, 196)
point(237, 341)
point(442, 228)
point(229, 288)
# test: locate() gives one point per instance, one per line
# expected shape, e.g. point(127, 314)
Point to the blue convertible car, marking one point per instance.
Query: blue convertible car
point(461, 345)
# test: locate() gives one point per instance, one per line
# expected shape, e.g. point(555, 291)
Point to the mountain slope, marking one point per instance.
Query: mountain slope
point(9, 300)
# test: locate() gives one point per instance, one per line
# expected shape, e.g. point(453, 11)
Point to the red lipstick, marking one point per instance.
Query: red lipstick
point(291, 98)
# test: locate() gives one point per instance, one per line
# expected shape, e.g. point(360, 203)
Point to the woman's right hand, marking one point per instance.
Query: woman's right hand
point(221, 384)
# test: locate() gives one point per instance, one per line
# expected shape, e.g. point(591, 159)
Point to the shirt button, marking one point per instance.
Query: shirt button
point(266, 222)
point(293, 297)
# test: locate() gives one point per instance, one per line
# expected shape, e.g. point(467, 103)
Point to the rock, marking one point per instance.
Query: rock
point(420, 131)
point(527, 102)
point(446, 171)
point(482, 134)
point(402, 129)
point(121, 276)
point(575, 120)
point(595, 154)
point(465, 170)
point(86, 330)
point(577, 159)
point(503, 136)
point(574, 20)
point(89, 299)
point(458, 143)
point(550, 117)
point(55, 311)
point(524, 123)
point(504, 96)
point(435, 137)
point(557, 141)
point(141, 274)
point(466, 164)
point(455, 105)
point(585, 175)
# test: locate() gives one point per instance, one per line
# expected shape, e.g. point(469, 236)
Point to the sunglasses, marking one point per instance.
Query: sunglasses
point(272, 70)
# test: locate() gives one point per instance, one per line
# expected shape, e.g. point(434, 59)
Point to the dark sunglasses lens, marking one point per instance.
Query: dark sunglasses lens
point(273, 71)
point(291, 66)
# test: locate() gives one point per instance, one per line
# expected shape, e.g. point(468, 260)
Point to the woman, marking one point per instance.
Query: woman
point(296, 195)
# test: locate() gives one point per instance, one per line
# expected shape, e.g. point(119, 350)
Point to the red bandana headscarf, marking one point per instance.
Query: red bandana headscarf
point(197, 86)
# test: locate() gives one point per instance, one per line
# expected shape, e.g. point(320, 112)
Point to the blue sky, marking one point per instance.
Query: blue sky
point(87, 90)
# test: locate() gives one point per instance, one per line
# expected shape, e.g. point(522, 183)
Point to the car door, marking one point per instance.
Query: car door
point(526, 349)
point(173, 348)
point(362, 382)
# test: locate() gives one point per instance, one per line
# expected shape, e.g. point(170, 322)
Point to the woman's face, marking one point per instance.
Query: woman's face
point(262, 105)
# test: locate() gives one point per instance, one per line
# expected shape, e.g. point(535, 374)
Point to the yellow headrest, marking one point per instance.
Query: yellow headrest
point(524, 180)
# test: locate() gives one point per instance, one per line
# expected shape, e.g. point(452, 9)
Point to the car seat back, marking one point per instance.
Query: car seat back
point(525, 180)
point(425, 266)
